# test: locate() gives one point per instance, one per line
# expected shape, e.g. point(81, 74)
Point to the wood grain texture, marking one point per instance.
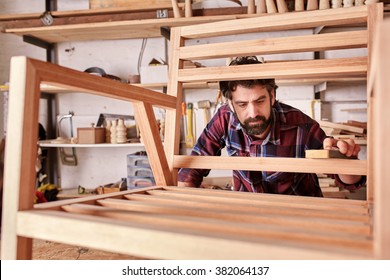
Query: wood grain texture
point(168, 222)
point(326, 154)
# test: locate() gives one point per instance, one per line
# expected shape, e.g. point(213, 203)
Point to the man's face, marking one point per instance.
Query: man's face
point(253, 107)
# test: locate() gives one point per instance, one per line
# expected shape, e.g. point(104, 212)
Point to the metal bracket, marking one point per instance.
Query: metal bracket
point(162, 13)
point(47, 18)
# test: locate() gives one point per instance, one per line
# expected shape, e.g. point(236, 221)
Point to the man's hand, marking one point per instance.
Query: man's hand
point(347, 147)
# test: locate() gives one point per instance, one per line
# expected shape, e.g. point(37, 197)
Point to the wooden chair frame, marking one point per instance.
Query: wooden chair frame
point(168, 222)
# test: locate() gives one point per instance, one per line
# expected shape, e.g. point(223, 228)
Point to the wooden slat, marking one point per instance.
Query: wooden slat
point(326, 154)
point(275, 22)
point(312, 224)
point(20, 156)
point(259, 203)
point(303, 165)
point(151, 242)
point(84, 82)
point(150, 135)
point(244, 208)
point(126, 29)
point(320, 69)
point(173, 119)
point(306, 43)
point(209, 226)
point(268, 196)
point(380, 160)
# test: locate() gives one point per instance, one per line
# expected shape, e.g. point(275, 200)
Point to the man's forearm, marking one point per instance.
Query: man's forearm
point(350, 179)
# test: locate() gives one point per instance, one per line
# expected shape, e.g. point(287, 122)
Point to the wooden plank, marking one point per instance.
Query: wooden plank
point(84, 82)
point(303, 165)
point(320, 69)
point(375, 17)
point(126, 29)
point(259, 203)
point(380, 161)
point(341, 126)
point(306, 43)
point(209, 226)
point(150, 242)
point(326, 154)
point(313, 224)
point(267, 196)
point(276, 22)
point(20, 156)
point(173, 118)
point(264, 210)
point(150, 136)
point(134, 4)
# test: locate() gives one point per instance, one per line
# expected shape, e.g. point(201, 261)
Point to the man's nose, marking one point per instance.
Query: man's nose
point(252, 110)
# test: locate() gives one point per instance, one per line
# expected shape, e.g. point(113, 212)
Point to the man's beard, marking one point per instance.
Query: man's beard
point(258, 128)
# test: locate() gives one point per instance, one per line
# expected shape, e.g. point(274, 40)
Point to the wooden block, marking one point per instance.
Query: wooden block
point(91, 135)
point(326, 154)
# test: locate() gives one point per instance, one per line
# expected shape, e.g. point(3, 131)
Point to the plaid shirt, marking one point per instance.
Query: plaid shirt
point(291, 134)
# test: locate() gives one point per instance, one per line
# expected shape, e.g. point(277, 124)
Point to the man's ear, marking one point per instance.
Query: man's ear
point(272, 95)
point(230, 104)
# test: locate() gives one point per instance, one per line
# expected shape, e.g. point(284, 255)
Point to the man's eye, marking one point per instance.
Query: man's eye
point(242, 105)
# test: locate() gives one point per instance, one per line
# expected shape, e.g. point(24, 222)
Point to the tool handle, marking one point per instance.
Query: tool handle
point(189, 137)
point(183, 108)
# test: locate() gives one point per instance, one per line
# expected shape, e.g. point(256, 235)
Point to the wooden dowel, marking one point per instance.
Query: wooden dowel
point(299, 5)
point(316, 224)
point(261, 8)
point(282, 6)
point(176, 10)
point(312, 5)
point(271, 8)
point(251, 7)
point(188, 8)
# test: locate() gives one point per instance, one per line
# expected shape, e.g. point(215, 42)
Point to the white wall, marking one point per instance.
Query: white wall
point(13, 46)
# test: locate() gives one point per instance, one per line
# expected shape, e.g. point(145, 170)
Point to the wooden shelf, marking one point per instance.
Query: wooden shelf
point(49, 144)
point(91, 25)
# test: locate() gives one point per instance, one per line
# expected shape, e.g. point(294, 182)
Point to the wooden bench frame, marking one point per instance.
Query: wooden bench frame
point(170, 222)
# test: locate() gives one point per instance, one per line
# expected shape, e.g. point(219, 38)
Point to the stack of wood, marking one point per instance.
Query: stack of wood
point(349, 130)
point(329, 188)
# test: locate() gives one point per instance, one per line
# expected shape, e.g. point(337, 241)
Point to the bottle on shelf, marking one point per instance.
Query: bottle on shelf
point(121, 132)
point(108, 131)
point(113, 131)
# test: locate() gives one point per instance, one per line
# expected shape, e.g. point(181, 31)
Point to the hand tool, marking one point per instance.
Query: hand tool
point(190, 136)
point(205, 105)
point(67, 159)
point(184, 120)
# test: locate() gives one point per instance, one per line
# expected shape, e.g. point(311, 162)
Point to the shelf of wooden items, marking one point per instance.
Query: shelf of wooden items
point(113, 23)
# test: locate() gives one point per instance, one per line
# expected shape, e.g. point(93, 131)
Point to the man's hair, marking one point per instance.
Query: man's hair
point(227, 87)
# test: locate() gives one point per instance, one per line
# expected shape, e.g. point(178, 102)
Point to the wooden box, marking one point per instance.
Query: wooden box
point(91, 135)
